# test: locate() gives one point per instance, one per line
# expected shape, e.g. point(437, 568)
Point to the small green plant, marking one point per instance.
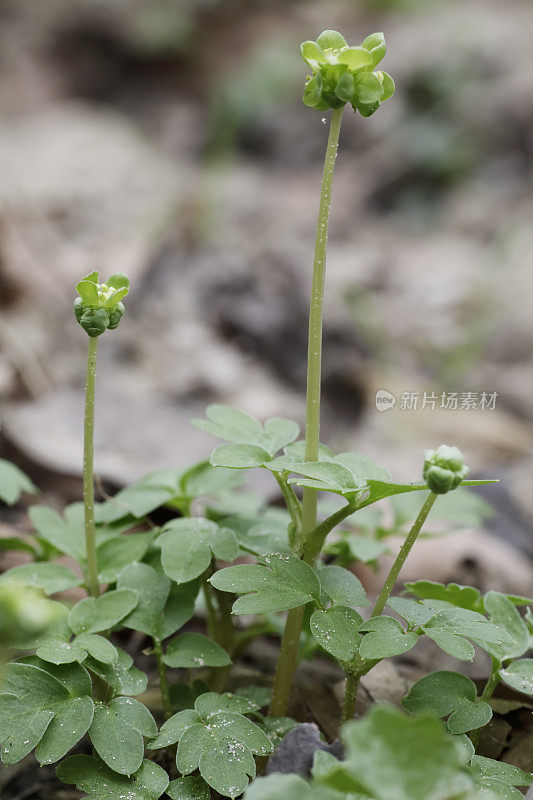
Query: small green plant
point(69, 678)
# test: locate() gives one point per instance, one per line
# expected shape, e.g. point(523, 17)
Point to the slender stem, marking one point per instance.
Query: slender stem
point(288, 656)
point(291, 637)
point(406, 548)
point(488, 691)
point(317, 537)
point(314, 352)
point(350, 695)
point(213, 627)
point(88, 470)
point(163, 678)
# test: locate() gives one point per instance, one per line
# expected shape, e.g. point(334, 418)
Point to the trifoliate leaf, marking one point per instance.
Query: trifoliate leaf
point(277, 583)
point(448, 626)
point(422, 761)
point(237, 427)
point(13, 482)
point(51, 578)
point(519, 675)
point(45, 707)
point(336, 630)
point(117, 733)
point(342, 586)
point(385, 638)
point(92, 615)
point(216, 740)
point(449, 694)
point(92, 776)
point(189, 544)
point(189, 650)
point(123, 676)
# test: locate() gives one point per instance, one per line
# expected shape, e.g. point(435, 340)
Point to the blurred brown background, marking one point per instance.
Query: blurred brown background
point(167, 139)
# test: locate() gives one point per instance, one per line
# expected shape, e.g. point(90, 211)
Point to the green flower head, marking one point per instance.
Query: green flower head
point(99, 306)
point(444, 469)
point(344, 74)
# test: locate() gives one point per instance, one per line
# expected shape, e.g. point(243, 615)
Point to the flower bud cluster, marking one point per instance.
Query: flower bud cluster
point(99, 306)
point(444, 469)
point(344, 74)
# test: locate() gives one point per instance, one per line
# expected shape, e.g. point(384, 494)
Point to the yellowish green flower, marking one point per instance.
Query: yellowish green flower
point(344, 74)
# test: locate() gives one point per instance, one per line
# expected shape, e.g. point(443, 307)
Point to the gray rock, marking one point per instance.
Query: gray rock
point(296, 752)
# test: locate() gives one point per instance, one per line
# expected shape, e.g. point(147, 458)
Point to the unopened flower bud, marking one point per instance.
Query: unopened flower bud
point(95, 321)
point(99, 306)
point(444, 469)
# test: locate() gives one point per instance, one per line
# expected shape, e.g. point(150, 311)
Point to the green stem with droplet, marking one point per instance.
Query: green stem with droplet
point(291, 637)
point(88, 470)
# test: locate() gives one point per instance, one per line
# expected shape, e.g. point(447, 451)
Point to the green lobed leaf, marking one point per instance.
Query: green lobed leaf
point(115, 554)
point(51, 578)
point(172, 730)
point(463, 596)
point(450, 627)
point(519, 675)
point(92, 615)
point(13, 483)
point(239, 456)
point(336, 630)
point(237, 427)
point(503, 613)
point(141, 498)
point(385, 638)
point(188, 788)
point(189, 544)
point(509, 774)
point(117, 733)
point(44, 707)
point(278, 583)
point(162, 609)
point(452, 695)
point(342, 586)
point(189, 650)
point(91, 775)
point(122, 676)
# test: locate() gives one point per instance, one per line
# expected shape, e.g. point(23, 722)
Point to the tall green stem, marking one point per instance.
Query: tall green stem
point(350, 695)
point(163, 678)
point(401, 558)
point(314, 350)
point(291, 637)
point(88, 470)
point(488, 691)
point(361, 666)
